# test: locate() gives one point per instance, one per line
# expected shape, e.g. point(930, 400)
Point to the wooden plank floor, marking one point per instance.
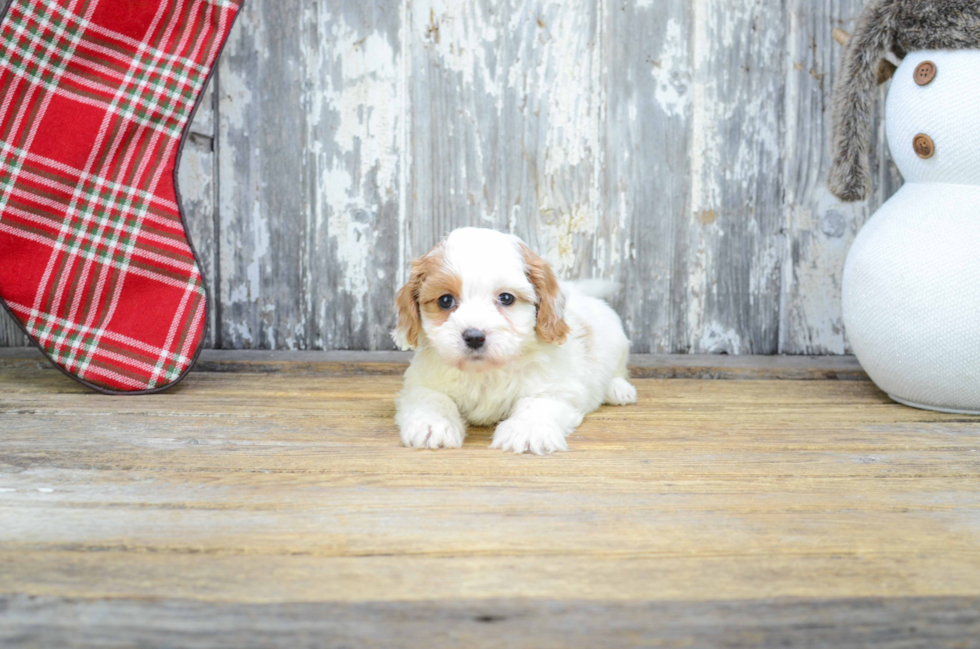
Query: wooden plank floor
point(266, 502)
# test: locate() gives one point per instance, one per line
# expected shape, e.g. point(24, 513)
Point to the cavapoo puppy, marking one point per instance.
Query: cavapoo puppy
point(501, 341)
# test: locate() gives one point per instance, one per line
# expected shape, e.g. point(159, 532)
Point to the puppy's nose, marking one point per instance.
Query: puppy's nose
point(474, 338)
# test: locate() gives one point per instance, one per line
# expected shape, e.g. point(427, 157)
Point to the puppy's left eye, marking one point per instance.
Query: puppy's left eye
point(505, 299)
point(447, 302)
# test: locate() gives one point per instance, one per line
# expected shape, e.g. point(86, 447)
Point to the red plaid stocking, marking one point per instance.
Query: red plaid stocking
point(95, 100)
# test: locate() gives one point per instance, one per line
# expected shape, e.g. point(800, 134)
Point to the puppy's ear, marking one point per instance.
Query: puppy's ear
point(406, 333)
point(551, 325)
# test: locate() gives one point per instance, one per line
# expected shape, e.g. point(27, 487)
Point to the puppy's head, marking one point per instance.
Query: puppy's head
point(478, 299)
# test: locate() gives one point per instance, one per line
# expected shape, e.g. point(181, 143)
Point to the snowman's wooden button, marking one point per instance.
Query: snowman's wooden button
point(924, 147)
point(925, 73)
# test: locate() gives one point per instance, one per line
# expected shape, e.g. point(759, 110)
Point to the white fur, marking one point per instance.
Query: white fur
point(537, 393)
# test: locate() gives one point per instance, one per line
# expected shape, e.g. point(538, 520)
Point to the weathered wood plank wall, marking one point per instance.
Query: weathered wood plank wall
point(677, 146)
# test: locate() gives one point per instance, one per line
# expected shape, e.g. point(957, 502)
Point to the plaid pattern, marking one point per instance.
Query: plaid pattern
point(94, 259)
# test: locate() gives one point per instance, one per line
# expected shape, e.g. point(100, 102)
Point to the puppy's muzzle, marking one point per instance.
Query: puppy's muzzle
point(474, 338)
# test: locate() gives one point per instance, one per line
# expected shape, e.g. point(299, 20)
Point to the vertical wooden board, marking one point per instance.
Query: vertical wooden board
point(725, 281)
point(263, 211)
point(551, 120)
point(645, 164)
point(196, 181)
point(309, 138)
point(505, 124)
point(820, 228)
point(353, 102)
point(453, 80)
point(11, 335)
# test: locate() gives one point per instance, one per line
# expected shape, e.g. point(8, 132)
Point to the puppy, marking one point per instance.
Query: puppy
point(501, 341)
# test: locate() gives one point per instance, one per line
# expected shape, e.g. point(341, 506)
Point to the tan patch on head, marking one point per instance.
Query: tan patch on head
point(429, 280)
point(439, 281)
point(551, 325)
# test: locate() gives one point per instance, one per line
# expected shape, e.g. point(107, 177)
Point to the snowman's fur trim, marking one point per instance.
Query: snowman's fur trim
point(901, 26)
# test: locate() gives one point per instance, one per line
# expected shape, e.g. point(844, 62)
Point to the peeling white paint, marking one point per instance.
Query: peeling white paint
point(240, 330)
point(812, 308)
point(365, 106)
point(236, 97)
point(559, 230)
point(819, 229)
point(547, 58)
point(765, 266)
point(258, 250)
point(366, 102)
point(235, 91)
point(238, 294)
point(460, 35)
point(565, 90)
point(195, 175)
point(673, 72)
point(735, 153)
point(715, 339)
point(404, 148)
point(566, 93)
point(705, 148)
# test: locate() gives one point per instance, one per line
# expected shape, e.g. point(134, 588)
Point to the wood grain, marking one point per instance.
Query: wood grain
point(309, 175)
point(504, 116)
point(10, 334)
point(937, 623)
point(645, 170)
point(727, 262)
point(252, 494)
point(679, 147)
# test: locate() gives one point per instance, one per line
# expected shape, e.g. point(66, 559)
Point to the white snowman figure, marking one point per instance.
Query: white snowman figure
point(911, 285)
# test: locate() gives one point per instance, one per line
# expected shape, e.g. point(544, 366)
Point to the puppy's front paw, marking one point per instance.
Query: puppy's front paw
point(523, 436)
point(620, 392)
point(432, 431)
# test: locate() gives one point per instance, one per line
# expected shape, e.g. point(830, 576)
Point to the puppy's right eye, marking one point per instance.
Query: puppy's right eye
point(447, 302)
